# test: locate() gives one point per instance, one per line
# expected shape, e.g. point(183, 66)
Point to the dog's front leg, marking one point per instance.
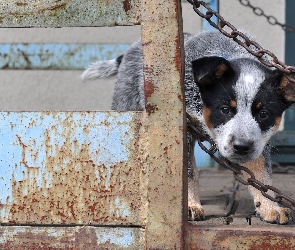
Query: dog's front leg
point(195, 210)
point(268, 210)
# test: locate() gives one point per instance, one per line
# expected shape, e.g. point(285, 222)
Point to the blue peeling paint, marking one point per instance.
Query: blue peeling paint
point(23, 142)
point(57, 55)
point(122, 237)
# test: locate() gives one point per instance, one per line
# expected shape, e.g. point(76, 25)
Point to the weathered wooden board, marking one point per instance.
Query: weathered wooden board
point(56, 56)
point(63, 13)
point(86, 237)
point(69, 168)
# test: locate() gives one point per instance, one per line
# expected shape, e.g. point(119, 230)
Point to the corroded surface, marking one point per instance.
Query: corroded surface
point(240, 238)
point(51, 13)
point(164, 154)
point(69, 168)
point(56, 56)
point(87, 237)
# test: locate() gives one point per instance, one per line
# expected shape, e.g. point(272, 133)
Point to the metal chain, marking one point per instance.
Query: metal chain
point(271, 19)
point(264, 56)
point(198, 133)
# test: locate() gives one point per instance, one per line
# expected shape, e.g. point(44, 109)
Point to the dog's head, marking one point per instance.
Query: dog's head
point(243, 104)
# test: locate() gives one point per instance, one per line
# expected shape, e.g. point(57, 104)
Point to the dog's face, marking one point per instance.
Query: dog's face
point(243, 104)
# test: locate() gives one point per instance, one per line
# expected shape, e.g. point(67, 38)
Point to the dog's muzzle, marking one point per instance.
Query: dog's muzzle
point(242, 146)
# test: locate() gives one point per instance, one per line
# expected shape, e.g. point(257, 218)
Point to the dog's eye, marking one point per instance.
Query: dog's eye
point(224, 109)
point(263, 114)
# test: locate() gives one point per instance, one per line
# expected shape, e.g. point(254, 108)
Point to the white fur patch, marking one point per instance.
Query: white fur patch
point(247, 87)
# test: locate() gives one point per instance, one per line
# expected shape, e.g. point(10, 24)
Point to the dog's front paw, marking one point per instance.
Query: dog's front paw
point(195, 213)
point(276, 214)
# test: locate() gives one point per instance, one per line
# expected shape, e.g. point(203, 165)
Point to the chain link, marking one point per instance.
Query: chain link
point(264, 56)
point(271, 19)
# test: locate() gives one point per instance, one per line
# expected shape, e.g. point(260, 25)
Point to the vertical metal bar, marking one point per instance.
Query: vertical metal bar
point(164, 125)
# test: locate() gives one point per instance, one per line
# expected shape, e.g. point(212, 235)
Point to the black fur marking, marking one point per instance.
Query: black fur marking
point(272, 100)
point(119, 60)
point(208, 70)
point(217, 92)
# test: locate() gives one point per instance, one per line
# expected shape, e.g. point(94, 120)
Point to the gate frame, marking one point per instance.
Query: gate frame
point(162, 154)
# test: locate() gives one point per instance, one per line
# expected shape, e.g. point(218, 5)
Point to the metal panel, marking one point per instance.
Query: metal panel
point(164, 159)
point(56, 55)
point(62, 13)
point(239, 238)
point(69, 168)
point(87, 237)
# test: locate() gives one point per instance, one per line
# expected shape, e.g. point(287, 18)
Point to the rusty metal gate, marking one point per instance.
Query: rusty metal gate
point(108, 180)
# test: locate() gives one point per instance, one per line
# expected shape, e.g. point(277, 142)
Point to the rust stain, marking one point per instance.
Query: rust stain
point(56, 7)
point(235, 238)
point(149, 89)
point(21, 4)
point(150, 108)
point(149, 86)
point(79, 191)
point(37, 8)
point(180, 97)
point(178, 54)
point(147, 43)
point(126, 5)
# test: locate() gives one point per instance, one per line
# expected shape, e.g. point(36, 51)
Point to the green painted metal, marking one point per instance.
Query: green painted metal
point(64, 13)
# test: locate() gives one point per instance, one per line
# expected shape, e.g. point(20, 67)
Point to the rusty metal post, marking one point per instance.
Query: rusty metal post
point(164, 125)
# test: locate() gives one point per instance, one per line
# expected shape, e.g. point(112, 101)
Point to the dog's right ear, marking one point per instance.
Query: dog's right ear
point(208, 70)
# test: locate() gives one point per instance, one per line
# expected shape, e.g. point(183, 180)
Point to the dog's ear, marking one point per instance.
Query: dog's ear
point(287, 88)
point(208, 70)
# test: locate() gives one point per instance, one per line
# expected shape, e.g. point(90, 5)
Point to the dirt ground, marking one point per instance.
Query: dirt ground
point(228, 202)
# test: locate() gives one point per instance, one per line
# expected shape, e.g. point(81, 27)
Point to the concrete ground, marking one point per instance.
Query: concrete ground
point(228, 202)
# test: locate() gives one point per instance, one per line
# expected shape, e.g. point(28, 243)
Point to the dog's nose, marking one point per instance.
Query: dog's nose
point(242, 147)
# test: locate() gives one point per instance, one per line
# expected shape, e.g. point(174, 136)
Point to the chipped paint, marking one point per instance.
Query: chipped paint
point(56, 56)
point(62, 13)
point(238, 238)
point(119, 236)
point(69, 167)
point(86, 237)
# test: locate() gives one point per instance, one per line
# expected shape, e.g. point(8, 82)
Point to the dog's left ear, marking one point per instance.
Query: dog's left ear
point(288, 88)
point(208, 70)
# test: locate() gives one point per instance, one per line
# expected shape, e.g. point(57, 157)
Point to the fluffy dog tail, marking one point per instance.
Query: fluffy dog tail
point(102, 69)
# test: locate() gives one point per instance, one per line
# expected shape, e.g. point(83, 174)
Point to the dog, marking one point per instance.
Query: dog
point(238, 101)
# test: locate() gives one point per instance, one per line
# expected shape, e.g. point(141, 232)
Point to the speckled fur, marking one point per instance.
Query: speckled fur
point(128, 95)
